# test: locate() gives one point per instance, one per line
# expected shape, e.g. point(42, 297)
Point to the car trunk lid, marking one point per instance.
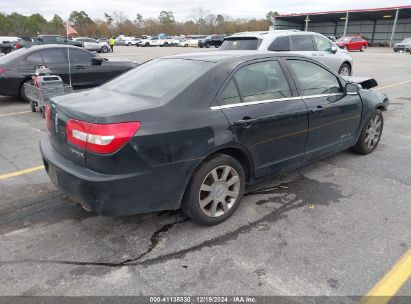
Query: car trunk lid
point(96, 107)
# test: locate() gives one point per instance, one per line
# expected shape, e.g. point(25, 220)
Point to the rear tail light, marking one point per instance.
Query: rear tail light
point(2, 70)
point(47, 114)
point(18, 45)
point(100, 138)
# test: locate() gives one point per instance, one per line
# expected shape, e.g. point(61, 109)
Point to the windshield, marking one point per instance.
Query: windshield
point(250, 43)
point(159, 77)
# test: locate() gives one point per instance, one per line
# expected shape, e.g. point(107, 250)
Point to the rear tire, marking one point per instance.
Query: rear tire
point(22, 92)
point(370, 134)
point(214, 190)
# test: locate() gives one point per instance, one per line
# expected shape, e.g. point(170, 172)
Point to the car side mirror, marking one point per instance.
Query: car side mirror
point(352, 88)
point(97, 60)
point(334, 49)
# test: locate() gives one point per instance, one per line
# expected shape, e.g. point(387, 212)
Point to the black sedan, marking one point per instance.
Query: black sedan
point(87, 69)
point(190, 131)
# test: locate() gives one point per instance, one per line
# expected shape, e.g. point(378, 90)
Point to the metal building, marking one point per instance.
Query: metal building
point(379, 25)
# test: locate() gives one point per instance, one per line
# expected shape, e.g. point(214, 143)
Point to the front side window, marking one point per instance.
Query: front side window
point(262, 81)
point(302, 43)
point(313, 79)
point(80, 56)
point(230, 94)
point(322, 43)
point(280, 44)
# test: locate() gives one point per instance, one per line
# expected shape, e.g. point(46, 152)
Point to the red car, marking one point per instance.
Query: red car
point(354, 43)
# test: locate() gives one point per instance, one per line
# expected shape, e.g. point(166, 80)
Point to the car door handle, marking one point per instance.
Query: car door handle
point(80, 67)
point(246, 122)
point(317, 110)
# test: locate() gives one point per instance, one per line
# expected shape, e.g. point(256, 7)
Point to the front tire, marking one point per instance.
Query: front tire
point(370, 134)
point(363, 47)
point(214, 191)
point(345, 69)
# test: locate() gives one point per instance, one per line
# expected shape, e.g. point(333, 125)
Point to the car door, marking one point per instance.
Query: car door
point(56, 60)
point(86, 73)
point(325, 54)
point(303, 44)
point(334, 117)
point(266, 115)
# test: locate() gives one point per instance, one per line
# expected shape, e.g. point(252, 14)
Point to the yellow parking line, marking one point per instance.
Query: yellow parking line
point(388, 286)
point(15, 113)
point(393, 85)
point(20, 172)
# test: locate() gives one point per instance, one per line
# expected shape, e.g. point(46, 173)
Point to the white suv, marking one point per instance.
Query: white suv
point(309, 44)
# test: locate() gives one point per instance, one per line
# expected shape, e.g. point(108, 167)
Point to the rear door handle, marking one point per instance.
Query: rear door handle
point(317, 110)
point(246, 122)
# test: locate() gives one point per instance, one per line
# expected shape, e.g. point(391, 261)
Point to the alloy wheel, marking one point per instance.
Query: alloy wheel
point(219, 191)
point(373, 132)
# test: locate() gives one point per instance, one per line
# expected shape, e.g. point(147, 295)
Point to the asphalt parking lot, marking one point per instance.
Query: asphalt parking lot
point(335, 227)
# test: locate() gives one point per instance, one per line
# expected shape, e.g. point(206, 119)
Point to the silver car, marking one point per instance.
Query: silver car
point(309, 44)
point(91, 44)
point(403, 46)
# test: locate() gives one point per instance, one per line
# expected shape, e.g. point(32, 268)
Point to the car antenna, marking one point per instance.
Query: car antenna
point(68, 49)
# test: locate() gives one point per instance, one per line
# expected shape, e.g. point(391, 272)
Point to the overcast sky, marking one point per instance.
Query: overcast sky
point(182, 8)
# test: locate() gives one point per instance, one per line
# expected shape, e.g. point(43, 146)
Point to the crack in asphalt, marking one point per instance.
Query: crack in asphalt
point(302, 190)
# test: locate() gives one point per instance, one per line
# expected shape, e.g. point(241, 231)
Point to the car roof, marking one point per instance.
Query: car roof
point(271, 34)
point(218, 56)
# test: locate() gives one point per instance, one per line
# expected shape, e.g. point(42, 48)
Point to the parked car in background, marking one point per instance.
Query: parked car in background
point(87, 69)
point(127, 147)
point(189, 42)
point(175, 41)
point(403, 46)
point(154, 41)
point(119, 41)
point(352, 43)
point(309, 44)
point(91, 44)
point(333, 38)
point(212, 40)
point(57, 39)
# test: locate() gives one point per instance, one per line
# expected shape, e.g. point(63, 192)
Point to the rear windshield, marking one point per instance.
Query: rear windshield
point(159, 77)
point(13, 55)
point(241, 43)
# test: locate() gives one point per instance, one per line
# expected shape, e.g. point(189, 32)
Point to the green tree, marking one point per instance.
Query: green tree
point(56, 24)
point(109, 19)
point(80, 19)
point(5, 25)
point(166, 18)
point(269, 16)
point(139, 20)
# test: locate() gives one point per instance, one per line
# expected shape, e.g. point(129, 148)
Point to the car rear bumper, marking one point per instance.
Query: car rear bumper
point(160, 188)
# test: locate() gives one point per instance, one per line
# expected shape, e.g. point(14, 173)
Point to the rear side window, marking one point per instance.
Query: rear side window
point(313, 79)
point(280, 44)
point(240, 44)
point(159, 77)
point(230, 94)
point(302, 43)
point(34, 58)
point(262, 81)
point(53, 56)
